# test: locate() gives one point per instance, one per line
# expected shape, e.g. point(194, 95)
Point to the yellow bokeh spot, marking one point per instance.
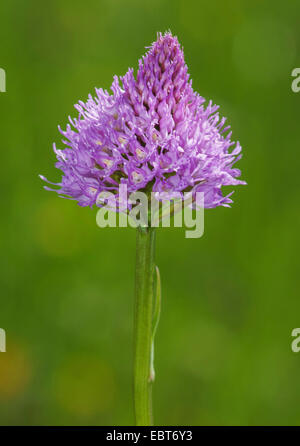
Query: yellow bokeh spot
point(15, 372)
point(84, 386)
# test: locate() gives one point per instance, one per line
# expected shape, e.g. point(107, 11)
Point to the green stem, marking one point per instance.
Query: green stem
point(144, 290)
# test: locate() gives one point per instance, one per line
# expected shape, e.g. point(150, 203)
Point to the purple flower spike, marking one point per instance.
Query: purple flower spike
point(153, 132)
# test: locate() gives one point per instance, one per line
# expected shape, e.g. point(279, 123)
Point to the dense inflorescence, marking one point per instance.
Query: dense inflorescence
point(152, 133)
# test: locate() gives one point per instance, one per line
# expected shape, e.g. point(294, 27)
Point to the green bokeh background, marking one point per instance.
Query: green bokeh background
point(230, 298)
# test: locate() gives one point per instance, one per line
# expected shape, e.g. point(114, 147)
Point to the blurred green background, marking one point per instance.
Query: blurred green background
point(230, 298)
